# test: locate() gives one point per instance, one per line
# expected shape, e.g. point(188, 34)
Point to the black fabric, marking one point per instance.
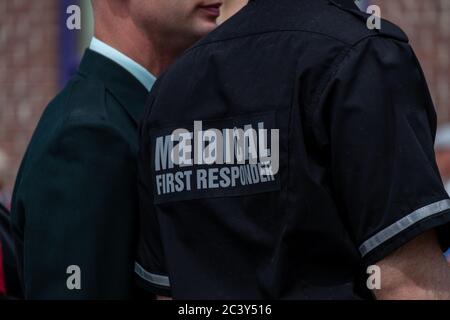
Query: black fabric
point(356, 129)
point(350, 4)
point(380, 134)
point(75, 199)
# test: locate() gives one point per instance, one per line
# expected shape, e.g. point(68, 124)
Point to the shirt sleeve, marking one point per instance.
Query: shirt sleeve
point(150, 267)
point(378, 126)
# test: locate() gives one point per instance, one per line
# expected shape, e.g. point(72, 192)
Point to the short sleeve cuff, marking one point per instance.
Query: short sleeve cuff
point(386, 241)
point(155, 283)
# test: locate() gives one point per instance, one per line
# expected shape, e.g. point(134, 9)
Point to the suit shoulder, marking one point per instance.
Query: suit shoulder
point(81, 98)
point(82, 103)
point(84, 98)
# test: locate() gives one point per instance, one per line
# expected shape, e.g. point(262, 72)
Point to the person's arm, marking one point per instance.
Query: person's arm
point(416, 271)
point(378, 125)
point(79, 208)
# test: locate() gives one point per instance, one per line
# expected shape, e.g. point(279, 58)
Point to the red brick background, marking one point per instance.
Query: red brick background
point(29, 63)
point(28, 74)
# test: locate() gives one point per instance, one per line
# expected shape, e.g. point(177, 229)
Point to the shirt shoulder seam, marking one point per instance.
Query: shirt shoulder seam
point(247, 35)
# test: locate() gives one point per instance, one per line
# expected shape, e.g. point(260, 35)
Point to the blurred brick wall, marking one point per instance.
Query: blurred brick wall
point(427, 23)
point(28, 73)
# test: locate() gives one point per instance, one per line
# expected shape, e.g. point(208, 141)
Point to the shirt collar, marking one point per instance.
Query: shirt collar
point(138, 71)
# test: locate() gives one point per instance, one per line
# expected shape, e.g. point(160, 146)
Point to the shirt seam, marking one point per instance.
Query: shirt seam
point(247, 35)
point(339, 62)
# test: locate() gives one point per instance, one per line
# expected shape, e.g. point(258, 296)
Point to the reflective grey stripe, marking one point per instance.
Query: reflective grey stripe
point(156, 279)
point(403, 224)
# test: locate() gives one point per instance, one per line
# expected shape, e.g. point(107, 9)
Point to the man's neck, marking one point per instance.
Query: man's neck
point(150, 52)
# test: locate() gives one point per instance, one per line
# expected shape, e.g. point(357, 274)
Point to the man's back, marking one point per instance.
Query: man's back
point(312, 77)
point(281, 38)
point(75, 195)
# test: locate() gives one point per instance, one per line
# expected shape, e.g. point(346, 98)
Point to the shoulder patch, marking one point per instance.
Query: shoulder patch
point(387, 28)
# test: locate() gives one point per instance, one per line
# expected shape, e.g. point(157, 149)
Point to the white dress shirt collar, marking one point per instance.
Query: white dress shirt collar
point(138, 71)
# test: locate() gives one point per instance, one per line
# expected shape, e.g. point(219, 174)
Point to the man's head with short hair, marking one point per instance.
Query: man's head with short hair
point(169, 26)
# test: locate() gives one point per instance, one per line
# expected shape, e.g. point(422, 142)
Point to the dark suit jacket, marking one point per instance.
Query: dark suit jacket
point(75, 200)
